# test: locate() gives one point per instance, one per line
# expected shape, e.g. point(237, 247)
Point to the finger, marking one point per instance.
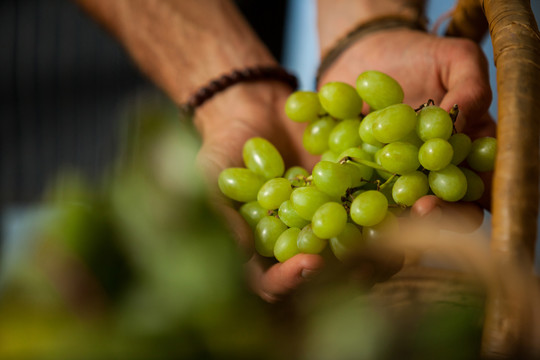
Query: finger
point(272, 282)
point(463, 217)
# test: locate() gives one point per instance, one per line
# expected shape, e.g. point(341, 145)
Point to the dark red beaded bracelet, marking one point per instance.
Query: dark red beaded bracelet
point(248, 74)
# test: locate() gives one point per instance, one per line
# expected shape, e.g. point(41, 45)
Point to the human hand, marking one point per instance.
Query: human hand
point(449, 71)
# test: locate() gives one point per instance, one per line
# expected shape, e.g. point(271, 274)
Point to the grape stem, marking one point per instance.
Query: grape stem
point(454, 111)
point(385, 184)
point(428, 103)
point(368, 163)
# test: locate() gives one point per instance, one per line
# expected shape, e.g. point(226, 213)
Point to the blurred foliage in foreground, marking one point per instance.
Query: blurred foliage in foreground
point(140, 267)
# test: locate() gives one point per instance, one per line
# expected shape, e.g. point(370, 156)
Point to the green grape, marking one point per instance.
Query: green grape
point(348, 243)
point(461, 144)
point(399, 157)
point(344, 135)
point(449, 184)
point(366, 130)
point(482, 155)
point(435, 154)
point(289, 216)
point(252, 212)
point(369, 208)
point(370, 149)
point(386, 190)
point(306, 200)
point(329, 155)
point(378, 90)
point(410, 187)
point(385, 175)
point(329, 220)
point(302, 106)
point(286, 245)
point(309, 243)
point(475, 185)
point(261, 157)
point(359, 172)
point(267, 232)
point(340, 100)
point(393, 123)
point(296, 175)
point(331, 178)
point(274, 192)
point(434, 122)
point(316, 134)
point(383, 231)
point(412, 138)
point(240, 184)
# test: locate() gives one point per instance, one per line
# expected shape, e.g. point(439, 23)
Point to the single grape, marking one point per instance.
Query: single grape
point(340, 100)
point(410, 187)
point(309, 243)
point(370, 149)
point(369, 208)
point(306, 200)
point(261, 157)
point(302, 106)
point(344, 135)
point(329, 155)
point(393, 123)
point(383, 232)
point(461, 143)
point(384, 175)
point(475, 185)
point(366, 130)
point(286, 245)
point(412, 138)
point(316, 134)
point(482, 155)
point(449, 184)
point(252, 212)
point(399, 157)
point(331, 178)
point(329, 220)
point(267, 232)
point(435, 154)
point(359, 172)
point(378, 89)
point(274, 192)
point(434, 122)
point(296, 175)
point(289, 216)
point(240, 184)
point(348, 243)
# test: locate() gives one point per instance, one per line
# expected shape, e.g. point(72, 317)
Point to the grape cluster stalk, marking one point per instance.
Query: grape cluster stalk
point(371, 168)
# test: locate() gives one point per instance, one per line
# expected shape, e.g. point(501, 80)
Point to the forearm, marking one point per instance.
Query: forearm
point(337, 17)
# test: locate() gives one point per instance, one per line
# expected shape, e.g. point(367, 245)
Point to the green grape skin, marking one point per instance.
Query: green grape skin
point(370, 149)
point(316, 134)
point(309, 243)
point(461, 143)
point(435, 154)
point(412, 138)
point(289, 216)
point(329, 220)
point(393, 123)
point(399, 157)
point(449, 184)
point(344, 135)
point(252, 212)
point(266, 234)
point(306, 200)
point(347, 244)
point(378, 89)
point(274, 192)
point(410, 187)
point(382, 232)
point(475, 185)
point(386, 190)
point(365, 131)
point(385, 175)
point(261, 157)
point(286, 245)
point(359, 173)
point(433, 122)
point(240, 184)
point(340, 100)
point(296, 175)
point(331, 178)
point(303, 106)
point(329, 155)
point(482, 155)
point(369, 208)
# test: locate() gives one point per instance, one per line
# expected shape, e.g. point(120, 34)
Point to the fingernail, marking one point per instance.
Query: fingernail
point(309, 274)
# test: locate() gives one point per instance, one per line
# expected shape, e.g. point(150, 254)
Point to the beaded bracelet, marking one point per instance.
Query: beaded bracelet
point(373, 25)
point(225, 81)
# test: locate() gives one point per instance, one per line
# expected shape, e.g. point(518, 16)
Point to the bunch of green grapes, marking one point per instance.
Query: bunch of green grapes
point(370, 165)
